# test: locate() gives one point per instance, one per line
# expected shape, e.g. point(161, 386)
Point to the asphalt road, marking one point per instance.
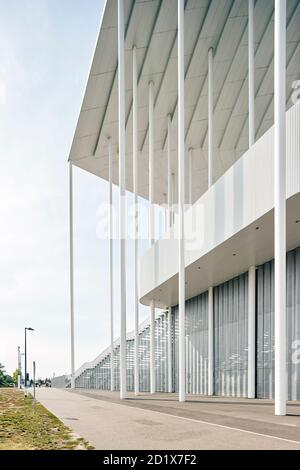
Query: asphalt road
point(110, 425)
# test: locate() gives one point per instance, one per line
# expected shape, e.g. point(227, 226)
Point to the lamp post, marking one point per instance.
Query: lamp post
point(25, 381)
point(19, 367)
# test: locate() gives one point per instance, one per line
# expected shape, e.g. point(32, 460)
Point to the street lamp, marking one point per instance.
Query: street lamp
point(25, 385)
point(19, 367)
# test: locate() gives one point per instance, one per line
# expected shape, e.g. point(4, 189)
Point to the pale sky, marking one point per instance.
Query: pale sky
point(45, 51)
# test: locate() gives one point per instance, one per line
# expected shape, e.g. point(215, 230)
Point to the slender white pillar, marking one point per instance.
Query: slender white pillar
point(136, 229)
point(122, 193)
point(280, 206)
point(181, 201)
point(210, 341)
point(19, 368)
point(210, 182)
point(172, 198)
point(111, 272)
point(251, 332)
point(152, 347)
point(190, 176)
point(169, 218)
point(151, 229)
point(170, 362)
point(251, 77)
point(151, 165)
point(166, 216)
point(210, 117)
point(71, 276)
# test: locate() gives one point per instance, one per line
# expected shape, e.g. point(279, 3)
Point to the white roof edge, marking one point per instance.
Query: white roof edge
point(88, 74)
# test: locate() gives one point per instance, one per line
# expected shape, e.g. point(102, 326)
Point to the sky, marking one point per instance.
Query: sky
point(46, 47)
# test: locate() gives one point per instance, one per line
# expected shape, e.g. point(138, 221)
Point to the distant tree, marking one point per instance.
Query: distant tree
point(3, 376)
point(9, 379)
point(15, 377)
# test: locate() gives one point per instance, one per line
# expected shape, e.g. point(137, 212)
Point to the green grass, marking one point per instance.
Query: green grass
point(27, 425)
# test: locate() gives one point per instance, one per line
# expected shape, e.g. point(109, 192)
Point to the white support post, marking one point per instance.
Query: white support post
point(181, 201)
point(136, 229)
point(190, 176)
point(19, 368)
point(170, 362)
point(151, 165)
point(152, 347)
point(172, 198)
point(210, 182)
point(251, 332)
point(166, 216)
point(280, 205)
point(151, 230)
point(111, 272)
point(210, 341)
point(210, 117)
point(71, 276)
point(122, 193)
point(169, 218)
point(251, 77)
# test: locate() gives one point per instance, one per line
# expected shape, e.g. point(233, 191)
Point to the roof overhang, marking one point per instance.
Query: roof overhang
point(151, 26)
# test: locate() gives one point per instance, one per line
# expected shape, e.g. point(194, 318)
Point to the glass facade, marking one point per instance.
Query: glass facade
point(230, 341)
point(231, 337)
point(265, 327)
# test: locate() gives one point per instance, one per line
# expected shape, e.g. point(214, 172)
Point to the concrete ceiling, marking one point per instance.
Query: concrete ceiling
point(152, 27)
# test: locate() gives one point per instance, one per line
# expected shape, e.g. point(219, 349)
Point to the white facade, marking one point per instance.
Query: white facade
point(185, 92)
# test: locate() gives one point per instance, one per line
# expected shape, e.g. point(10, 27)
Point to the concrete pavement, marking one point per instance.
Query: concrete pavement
point(108, 423)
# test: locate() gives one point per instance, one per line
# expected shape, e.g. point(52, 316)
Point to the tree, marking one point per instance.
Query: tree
point(3, 376)
point(5, 379)
point(15, 376)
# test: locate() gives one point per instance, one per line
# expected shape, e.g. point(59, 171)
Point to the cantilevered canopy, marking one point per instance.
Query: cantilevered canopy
point(151, 26)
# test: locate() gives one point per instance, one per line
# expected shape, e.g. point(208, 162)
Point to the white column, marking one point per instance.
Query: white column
point(151, 165)
point(251, 332)
point(166, 216)
point(19, 368)
point(251, 72)
point(210, 341)
point(170, 362)
point(151, 230)
point(152, 347)
point(111, 272)
point(71, 276)
point(181, 200)
point(122, 193)
point(190, 176)
point(172, 198)
point(169, 171)
point(136, 229)
point(280, 206)
point(210, 182)
point(210, 117)
point(170, 205)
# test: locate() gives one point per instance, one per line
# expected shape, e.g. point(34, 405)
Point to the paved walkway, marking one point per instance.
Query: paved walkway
point(160, 422)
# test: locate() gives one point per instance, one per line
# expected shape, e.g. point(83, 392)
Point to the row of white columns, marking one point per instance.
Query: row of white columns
point(280, 215)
